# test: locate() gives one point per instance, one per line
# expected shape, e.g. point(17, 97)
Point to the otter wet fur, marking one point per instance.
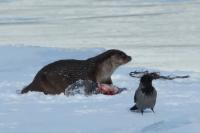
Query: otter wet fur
point(56, 77)
point(145, 95)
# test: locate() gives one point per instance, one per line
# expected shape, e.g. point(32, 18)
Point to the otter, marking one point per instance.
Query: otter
point(55, 77)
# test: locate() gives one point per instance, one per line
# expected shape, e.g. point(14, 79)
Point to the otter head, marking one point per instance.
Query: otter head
point(108, 62)
point(118, 58)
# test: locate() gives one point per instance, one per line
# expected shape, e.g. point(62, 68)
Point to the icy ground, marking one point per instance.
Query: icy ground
point(160, 35)
point(177, 108)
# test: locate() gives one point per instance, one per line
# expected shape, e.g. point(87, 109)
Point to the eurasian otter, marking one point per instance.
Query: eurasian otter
point(54, 78)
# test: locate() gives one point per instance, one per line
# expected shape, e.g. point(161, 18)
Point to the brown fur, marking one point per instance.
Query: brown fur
point(56, 77)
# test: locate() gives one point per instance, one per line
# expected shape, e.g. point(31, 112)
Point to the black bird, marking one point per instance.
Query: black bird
point(145, 95)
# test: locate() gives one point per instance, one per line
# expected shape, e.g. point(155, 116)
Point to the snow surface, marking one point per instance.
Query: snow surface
point(177, 108)
point(160, 35)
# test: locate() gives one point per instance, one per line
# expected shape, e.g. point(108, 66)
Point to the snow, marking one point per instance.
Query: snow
point(160, 35)
point(177, 108)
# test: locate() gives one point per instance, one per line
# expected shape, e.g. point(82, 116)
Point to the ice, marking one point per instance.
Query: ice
point(143, 28)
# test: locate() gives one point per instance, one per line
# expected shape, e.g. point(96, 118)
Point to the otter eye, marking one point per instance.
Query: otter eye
point(122, 55)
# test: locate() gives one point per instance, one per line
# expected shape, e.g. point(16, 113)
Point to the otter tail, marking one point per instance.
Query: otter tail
point(26, 89)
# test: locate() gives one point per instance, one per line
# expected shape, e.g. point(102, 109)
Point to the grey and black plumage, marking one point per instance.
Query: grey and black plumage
point(54, 78)
point(145, 96)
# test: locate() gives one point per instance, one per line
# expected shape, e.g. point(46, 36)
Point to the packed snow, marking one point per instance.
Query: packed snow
point(160, 35)
point(176, 110)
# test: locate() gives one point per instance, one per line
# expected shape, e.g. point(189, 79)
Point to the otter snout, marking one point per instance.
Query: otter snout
point(129, 58)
